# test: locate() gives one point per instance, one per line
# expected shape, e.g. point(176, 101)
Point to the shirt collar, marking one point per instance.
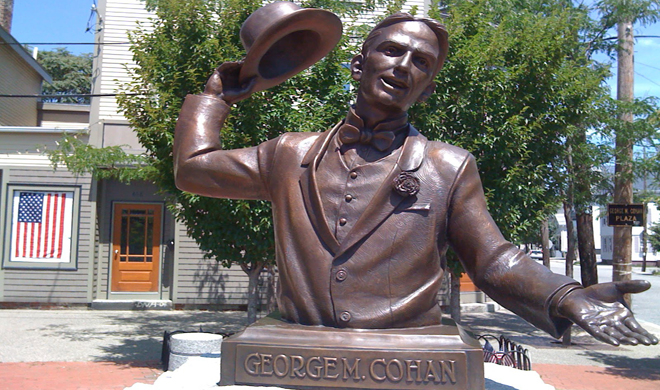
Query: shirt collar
point(393, 125)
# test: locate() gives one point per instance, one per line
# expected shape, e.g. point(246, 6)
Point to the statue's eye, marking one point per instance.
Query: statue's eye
point(390, 51)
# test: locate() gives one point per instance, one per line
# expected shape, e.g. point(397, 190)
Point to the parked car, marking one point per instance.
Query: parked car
point(536, 254)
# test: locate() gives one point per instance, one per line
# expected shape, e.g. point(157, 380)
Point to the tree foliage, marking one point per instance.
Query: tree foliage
point(510, 90)
point(72, 74)
point(654, 236)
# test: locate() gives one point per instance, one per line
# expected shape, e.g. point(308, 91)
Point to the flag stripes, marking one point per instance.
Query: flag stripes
point(39, 231)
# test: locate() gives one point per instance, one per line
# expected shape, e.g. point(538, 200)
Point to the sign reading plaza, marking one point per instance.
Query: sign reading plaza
point(625, 214)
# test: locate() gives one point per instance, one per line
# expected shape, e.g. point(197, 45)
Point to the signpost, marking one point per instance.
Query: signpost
point(625, 214)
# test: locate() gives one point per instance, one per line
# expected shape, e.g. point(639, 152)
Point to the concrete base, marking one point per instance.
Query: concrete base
point(199, 374)
point(184, 346)
point(485, 307)
point(131, 304)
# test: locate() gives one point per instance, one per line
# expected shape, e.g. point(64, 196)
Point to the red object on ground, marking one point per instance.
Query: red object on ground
point(567, 377)
point(76, 375)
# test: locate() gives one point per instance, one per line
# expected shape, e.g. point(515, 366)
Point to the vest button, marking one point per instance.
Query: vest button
point(353, 175)
point(345, 316)
point(342, 221)
point(341, 275)
point(348, 197)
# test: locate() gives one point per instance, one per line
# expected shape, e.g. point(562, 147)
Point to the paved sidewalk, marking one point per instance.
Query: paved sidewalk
point(108, 350)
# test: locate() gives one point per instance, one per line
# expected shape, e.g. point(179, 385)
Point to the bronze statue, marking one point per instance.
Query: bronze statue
point(364, 211)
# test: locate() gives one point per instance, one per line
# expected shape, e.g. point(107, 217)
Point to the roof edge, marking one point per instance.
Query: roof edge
point(20, 50)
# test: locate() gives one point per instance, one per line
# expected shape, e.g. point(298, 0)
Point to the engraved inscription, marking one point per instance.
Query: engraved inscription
point(347, 368)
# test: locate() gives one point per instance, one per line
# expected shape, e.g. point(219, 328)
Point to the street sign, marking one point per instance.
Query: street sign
point(625, 214)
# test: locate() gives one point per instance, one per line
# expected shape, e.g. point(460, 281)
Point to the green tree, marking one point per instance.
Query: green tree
point(509, 90)
point(625, 13)
point(72, 74)
point(514, 85)
point(654, 236)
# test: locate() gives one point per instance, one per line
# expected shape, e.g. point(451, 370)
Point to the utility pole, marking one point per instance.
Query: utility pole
point(622, 251)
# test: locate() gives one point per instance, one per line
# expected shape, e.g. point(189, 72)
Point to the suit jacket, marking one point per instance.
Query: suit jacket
point(388, 270)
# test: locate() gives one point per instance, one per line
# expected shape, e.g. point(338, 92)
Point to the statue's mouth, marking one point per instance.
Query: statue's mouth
point(395, 83)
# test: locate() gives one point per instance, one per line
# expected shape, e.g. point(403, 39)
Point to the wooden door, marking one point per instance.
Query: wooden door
point(136, 247)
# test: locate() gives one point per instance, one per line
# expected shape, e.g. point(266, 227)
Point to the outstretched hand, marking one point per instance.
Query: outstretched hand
point(601, 311)
point(226, 84)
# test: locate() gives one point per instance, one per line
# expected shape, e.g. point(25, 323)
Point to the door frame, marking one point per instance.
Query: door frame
point(155, 295)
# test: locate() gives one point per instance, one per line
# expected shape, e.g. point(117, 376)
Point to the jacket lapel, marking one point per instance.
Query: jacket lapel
point(310, 191)
point(385, 201)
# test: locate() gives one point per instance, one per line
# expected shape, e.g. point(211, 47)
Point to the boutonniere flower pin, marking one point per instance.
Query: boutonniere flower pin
point(406, 184)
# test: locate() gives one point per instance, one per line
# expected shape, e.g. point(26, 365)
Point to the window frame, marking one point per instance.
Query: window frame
point(70, 264)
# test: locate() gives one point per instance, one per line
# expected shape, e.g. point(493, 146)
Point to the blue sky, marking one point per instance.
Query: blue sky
point(66, 21)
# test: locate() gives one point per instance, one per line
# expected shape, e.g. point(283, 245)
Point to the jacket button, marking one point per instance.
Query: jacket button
point(342, 221)
point(341, 275)
point(348, 197)
point(353, 175)
point(345, 316)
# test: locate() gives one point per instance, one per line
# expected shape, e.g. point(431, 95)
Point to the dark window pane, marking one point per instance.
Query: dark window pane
point(136, 238)
point(150, 235)
point(124, 235)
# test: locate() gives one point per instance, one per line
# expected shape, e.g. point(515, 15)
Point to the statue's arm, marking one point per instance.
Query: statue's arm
point(200, 164)
point(495, 265)
point(549, 301)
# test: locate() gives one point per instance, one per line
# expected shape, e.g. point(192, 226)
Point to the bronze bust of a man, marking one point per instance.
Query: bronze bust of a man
point(364, 211)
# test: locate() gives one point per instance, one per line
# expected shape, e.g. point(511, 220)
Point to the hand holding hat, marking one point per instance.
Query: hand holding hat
point(281, 40)
point(224, 83)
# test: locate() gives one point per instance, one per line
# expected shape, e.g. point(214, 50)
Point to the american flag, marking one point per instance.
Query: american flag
point(39, 225)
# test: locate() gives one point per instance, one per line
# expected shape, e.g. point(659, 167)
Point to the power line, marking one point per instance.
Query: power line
point(71, 95)
point(639, 74)
point(636, 36)
point(65, 43)
point(650, 66)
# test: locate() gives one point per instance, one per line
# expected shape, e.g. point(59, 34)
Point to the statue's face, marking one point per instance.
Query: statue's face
point(399, 66)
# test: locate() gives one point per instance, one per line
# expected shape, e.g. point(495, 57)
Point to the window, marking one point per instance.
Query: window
point(41, 229)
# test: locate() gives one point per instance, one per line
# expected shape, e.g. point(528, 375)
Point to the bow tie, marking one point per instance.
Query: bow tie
point(381, 140)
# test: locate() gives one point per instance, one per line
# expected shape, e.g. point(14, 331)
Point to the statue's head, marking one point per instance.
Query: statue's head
point(399, 60)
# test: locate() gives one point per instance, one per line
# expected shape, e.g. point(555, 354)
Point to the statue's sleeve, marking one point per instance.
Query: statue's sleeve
point(496, 266)
point(200, 164)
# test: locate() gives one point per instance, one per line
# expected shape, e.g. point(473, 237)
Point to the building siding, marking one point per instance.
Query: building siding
point(53, 286)
point(119, 17)
point(205, 281)
point(18, 78)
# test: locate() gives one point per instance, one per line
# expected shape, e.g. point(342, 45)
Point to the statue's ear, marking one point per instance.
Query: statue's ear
point(427, 92)
point(356, 67)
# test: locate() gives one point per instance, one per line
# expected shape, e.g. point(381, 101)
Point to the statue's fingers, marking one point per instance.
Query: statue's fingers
point(599, 334)
point(247, 85)
point(639, 332)
point(614, 332)
point(229, 66)
point(631, 330)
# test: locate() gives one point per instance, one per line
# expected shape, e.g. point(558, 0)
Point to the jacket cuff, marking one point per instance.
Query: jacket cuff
point(560, 322)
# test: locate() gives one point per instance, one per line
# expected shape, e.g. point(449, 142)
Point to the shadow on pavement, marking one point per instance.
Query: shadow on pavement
point(633, 368)
point(134, 337)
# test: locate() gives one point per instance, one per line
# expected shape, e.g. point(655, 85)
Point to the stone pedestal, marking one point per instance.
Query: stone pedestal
point(272, 352)
point(184, 346)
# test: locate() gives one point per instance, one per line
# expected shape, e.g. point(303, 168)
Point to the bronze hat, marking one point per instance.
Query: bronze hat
point(283, 39)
